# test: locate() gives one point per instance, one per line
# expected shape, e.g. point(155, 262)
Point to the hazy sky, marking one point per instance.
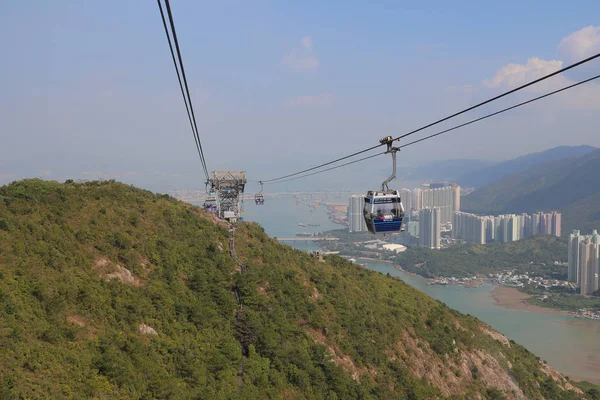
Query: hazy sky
point(88, 89)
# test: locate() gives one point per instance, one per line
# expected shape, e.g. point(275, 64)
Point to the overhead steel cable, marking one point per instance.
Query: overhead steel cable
point(322, 165)
point(328, 169)
point(501, 95)
point(449, 129)
point(441, 120)
point(501, 111)
point(185, 84)
point(187, 109)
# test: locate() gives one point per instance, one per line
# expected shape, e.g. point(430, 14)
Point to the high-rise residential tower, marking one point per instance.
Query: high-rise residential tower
point(356, 220)
point(430, 227)
point(584, 261)
point(573, 259)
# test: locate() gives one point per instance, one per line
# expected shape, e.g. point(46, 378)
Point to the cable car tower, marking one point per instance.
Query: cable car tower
point(228, 187)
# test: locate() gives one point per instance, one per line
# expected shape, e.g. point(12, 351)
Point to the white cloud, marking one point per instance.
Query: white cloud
point(513, 75)
point(576, 46)
point(581, 44)
point(319, 100)
point(302, 59)
point(306, 42)
point(45, 173)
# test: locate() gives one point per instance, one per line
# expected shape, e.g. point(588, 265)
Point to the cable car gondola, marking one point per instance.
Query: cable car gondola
point(259, 199)
point(210, 204)
point(383, 210)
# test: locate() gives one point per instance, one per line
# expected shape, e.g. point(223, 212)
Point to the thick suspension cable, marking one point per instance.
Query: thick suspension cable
point(501, 111)
point(322, 165)
point(187, 108)
point(449, 129)
point(329, 169)
point(502, 95)
point(187, 90)
point(443, 119)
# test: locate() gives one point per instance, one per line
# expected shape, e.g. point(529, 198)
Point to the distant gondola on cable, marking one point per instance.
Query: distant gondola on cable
point(259, 199)
point(210, 204)
point(383, 210)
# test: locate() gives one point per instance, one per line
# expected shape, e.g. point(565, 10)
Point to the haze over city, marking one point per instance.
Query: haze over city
point(90, 92)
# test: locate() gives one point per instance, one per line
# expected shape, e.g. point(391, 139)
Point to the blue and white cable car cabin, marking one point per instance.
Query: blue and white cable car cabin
point(210, 204)
point(259, 199)
point(383, 210)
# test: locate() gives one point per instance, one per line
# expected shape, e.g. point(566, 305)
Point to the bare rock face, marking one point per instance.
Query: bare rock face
point(496, 335)
point(453, 377)
point(109, 271)
point(124, 275)
point(147, 330)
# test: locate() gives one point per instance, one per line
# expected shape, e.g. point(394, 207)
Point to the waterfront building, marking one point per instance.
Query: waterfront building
point(556, 223)
point(446, 197)
point(584, 261)
point(412, 227)
point(417, 199)
point(489, 228)
point(406, 197)
point(469, 227)
point(356, 219)
point(575, 239)
point(535, 224)
point(430, 227)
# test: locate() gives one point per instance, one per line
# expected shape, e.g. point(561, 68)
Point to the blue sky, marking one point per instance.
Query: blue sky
point(89, 89)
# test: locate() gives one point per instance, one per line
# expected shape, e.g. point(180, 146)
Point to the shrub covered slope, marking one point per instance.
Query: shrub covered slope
point(108, 291)
point(535, 255)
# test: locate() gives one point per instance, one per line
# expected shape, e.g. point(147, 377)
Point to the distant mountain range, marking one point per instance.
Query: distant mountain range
point(484, 176)
point(446, 170)
point(479, 173)
point(569, 184)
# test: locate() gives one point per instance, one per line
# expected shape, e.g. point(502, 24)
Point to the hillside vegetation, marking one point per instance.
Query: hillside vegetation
point(474, 259)
point(569, 185)
point(107, 291)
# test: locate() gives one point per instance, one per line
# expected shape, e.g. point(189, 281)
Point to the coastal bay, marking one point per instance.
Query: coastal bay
point(569, 344)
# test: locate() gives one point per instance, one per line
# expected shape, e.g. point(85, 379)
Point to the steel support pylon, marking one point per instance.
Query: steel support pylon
point(228, 187)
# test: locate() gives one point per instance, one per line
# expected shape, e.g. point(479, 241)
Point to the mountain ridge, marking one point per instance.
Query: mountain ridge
point(488, 175)
point(569, 185)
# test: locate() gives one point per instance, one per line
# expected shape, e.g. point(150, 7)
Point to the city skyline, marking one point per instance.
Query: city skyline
point(505, 227)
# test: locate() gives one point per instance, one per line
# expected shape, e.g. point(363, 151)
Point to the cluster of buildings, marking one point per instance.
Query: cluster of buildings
point(438, 210)
point(444, 196)
point(504, 228)
point(584, 261)
point(511, 278)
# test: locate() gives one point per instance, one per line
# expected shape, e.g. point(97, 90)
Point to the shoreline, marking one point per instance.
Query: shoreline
point(431, 281)
point(513, 299)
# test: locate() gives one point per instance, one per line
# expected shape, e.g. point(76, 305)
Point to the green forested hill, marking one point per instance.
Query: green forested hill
point(482, 177)
point(570, 185)
point(107, 291)
point(474, 259)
